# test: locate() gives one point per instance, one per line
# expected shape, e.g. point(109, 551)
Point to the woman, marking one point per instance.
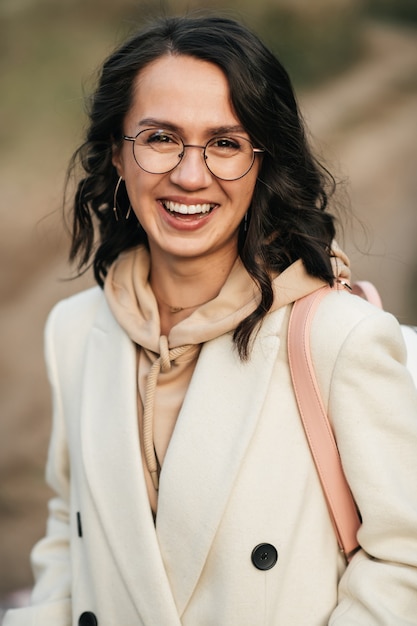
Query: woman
point(185, 488)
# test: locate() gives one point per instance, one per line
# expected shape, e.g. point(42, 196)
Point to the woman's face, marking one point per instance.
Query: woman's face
point(187, 212)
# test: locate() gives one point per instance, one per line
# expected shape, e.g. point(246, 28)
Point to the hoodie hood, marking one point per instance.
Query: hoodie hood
point(134, 306)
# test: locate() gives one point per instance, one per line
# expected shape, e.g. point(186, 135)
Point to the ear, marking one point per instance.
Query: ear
point(117, 159)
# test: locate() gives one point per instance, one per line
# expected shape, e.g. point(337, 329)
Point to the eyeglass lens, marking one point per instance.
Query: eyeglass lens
point(160, 151)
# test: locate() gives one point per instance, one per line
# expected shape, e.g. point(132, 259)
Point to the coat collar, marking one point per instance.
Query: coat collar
point(212, 435)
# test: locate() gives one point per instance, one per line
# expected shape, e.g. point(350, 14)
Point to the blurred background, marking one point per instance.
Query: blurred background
point(354, 66)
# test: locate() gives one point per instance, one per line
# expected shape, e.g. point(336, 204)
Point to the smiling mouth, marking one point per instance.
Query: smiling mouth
point(188, 209)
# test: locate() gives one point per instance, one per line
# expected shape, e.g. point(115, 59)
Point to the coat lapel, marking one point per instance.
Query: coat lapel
point(212, 435)
point(111, 454)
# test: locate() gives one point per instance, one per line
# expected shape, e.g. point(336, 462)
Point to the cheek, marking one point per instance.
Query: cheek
point(135, 178)
point(248, 191)
point(141, 191)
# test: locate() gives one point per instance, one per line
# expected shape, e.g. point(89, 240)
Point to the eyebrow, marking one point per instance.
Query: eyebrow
point(216, 130)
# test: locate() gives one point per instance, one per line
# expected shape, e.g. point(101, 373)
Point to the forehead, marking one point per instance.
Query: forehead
point(188, 92)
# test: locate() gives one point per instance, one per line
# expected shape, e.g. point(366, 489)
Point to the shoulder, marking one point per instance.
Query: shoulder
point(71, 319)
point(348, 308)
point(349, 332)
point(83, 300)
point(72, 310)
point(341, 313)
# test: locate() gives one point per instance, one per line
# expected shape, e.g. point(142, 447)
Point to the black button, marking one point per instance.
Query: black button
point(264, 556)
point(88, 619)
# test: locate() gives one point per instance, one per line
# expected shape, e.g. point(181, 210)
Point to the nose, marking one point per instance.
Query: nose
point(192, 173)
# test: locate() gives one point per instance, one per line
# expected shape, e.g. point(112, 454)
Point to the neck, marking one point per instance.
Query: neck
point(181, 286)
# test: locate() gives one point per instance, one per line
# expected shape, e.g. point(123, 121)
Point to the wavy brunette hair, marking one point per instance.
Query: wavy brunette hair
point(287, 218)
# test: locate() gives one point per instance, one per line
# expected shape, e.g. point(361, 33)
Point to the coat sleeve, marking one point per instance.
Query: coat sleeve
point(373, 406)
point(51, 596)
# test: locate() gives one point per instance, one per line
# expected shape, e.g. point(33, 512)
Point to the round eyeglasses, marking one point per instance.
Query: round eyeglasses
point(227, 157)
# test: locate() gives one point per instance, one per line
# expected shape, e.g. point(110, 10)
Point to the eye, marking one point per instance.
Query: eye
point(160, 140)
point(225, 147)
point(225, 143)
point(159, 137)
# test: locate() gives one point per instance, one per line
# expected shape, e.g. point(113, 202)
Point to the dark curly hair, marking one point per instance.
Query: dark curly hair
point(287, 218)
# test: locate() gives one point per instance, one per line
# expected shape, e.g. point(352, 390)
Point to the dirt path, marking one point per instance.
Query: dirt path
point(367, 123)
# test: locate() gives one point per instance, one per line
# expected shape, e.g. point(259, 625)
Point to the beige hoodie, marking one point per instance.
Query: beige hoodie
point(166, 364)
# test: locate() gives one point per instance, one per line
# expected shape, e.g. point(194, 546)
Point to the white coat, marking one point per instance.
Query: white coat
point(238, 473)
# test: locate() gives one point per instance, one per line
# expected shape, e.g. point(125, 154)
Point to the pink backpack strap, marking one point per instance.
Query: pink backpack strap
point(341, 504)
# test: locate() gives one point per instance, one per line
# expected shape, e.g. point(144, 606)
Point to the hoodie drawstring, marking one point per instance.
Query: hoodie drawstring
point(162, 364)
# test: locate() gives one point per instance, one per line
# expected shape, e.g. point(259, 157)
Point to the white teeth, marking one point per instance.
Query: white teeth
point(187, 209)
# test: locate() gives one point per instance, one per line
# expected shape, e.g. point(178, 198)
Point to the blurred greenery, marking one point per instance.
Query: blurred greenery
point(393, 10)
point(313, 44)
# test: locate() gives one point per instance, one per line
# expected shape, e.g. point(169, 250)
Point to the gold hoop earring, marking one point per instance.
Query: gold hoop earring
point(115, 208)
point(115, 199)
